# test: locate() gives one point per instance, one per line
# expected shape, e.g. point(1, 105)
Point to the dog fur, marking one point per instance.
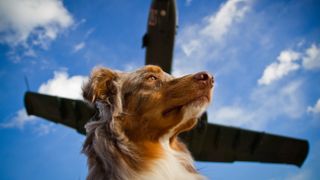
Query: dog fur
point(134, 135)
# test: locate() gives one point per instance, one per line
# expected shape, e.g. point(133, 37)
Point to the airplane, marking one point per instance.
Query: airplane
point(207, 142)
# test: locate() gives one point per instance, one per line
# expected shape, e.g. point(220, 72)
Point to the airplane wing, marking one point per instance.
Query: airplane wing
point(211, 142)
point(72, 113)
point(217, 143)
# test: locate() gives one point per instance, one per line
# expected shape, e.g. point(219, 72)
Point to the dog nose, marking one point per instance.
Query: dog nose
point(204, 76)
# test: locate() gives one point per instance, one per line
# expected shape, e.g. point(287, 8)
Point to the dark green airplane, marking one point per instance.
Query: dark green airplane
point(207, 142)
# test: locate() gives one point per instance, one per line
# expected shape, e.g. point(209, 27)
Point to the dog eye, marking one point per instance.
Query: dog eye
point(152, 78)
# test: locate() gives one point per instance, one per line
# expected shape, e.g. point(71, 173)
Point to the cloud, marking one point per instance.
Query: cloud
point(219, 24)
point(315, 109)
point(263, 107)
point(63, 85)
point(285, 65)
point(79, 46)
point(199, 43)
point(32, 22)
point(19, 120)
point(289, 61)
point(312, 58)
point(214, 27)
point(233, 115)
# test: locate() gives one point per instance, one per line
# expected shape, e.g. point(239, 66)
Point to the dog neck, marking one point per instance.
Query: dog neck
point(111, 155)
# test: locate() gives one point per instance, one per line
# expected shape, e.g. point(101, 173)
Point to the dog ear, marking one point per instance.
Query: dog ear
point(102, 85)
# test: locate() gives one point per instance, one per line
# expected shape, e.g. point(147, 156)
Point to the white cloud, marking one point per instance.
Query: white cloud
point(285, 65)
point(21, 118)
point(233, 115)
point(63, 85)
point(315, 109)
point(219, 24)
point(215, 26)
point(312, 58)
point(32, 22)
point(288, 61)
point(263, 107)
point(191, 47)
point(201, 42)
point(79, 46)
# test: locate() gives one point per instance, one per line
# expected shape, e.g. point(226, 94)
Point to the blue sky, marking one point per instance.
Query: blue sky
point(264, 54)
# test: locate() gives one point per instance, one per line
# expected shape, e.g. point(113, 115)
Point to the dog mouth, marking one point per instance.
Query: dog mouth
point(198, 101)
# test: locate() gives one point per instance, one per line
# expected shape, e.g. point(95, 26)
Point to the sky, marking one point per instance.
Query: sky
point(265, 56)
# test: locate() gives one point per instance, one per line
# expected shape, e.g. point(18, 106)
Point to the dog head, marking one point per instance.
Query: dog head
point(149, 103)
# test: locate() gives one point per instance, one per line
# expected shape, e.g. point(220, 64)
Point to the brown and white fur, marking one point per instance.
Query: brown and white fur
point(141, 114)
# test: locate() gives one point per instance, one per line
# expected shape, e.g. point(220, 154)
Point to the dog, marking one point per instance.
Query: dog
point(134, 135)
